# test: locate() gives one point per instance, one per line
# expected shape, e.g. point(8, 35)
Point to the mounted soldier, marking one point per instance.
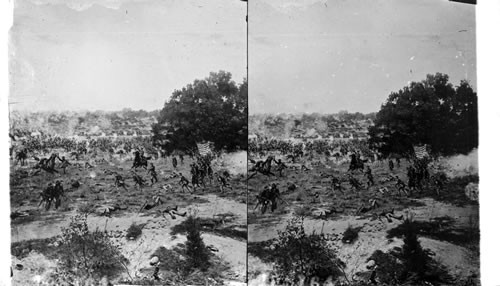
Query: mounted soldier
point(356, 163)
point(140, 160)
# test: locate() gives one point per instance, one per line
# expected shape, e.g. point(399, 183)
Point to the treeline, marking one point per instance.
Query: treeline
point(68, 123)
point(339, 124)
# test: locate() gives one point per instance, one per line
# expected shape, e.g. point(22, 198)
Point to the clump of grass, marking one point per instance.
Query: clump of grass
point(134, 231)
point(45, 246)
point(299, 197)
point(303, 211)
point(262, 250)
point(350, 234)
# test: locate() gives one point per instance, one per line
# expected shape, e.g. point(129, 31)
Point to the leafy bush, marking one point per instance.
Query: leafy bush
point(134, 231)
point(197, 255)
point(172, 263)
point(86, 208)
point(409, 264)
point(297, 253)
point(350, 234)
point(84, 254)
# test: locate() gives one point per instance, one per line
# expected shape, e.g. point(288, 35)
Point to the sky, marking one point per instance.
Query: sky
point(114, 54)
point(331, 55)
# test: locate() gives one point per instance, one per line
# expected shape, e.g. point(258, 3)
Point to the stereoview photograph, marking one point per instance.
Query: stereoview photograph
point(363, 136)
point(128, 135)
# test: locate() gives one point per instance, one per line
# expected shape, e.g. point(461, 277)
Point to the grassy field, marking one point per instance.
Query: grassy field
point(114, 210)
point(448, 222)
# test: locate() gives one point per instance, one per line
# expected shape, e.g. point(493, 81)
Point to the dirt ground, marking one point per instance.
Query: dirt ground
point(97, 193)
point(329, 212)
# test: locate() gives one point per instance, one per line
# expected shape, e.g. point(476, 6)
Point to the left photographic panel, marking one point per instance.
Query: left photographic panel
point(128, 142)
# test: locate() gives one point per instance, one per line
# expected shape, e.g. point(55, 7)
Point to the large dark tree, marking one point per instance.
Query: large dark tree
point(432, 112)
point(212, 109)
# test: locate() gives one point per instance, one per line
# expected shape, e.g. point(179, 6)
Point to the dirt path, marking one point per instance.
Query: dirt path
point(51, 226)
point(373, 234)
point(156, 233)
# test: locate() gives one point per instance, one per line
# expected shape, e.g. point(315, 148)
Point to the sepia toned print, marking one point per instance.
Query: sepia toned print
point(363, 137)
point(128, 135)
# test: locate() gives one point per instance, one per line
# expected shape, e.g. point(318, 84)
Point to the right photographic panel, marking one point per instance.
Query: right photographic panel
point(363, 137)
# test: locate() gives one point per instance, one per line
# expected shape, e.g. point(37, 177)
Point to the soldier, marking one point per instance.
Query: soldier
point(51, 162)
point(156, 202)
point(263, 199)
point(174, 162)
point(138, 180)
point(439, 183)
point(184, 182)
point(401, 186)
point(58, 193)
point(354, 183)
point(363, 209)
point(21, 156)
point(389, 215)
point(222, 182)
point(353, 165)
point(172, 211)
point(47, 196)
point(260, 167)
point(369, 176)
point(195, 172)
point(210, 172)
point(38, 167)
point(64, 164)
point(274, 195)
point(372, 204)
point(120, 182)
point(268, 163)
point(391, 165)
point(335, 184)
point(155, 261)
point(281, 167)
point(411, 173)
point(152, 171)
